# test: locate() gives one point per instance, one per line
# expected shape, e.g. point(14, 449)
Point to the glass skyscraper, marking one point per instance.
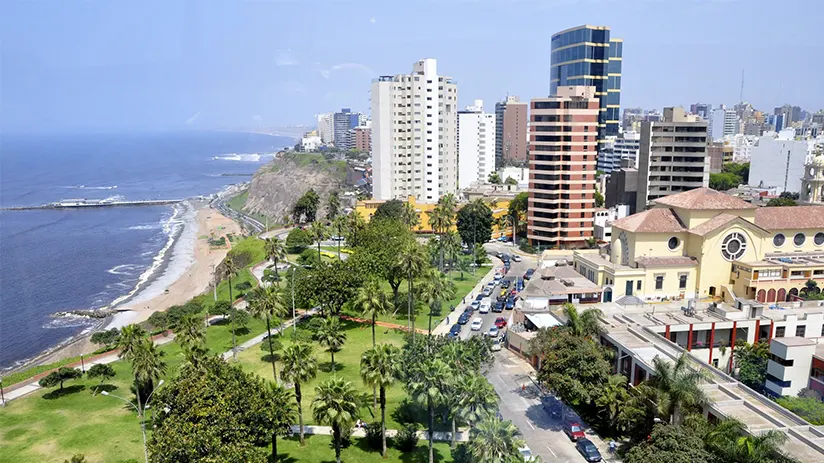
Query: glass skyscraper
point(586, 55)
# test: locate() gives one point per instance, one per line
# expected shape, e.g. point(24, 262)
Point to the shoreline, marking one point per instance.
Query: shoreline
point(194, 278)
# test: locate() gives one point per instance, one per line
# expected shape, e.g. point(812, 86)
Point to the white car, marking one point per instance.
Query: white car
point(516, 258)
point(498, 276)
point(496, 346)
point(526, 453)
point(485, 306)
point(477, 323)
point(493, 332)
point(475, 304)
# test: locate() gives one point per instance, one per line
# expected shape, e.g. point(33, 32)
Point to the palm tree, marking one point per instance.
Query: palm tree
point(495, 441)
point(440, 220)
point(147, 367)
point(412, 262)
point(730, 439)
point(339, 224)
point(266, 303)
point(472, 397)
point(354, 223)
point(410, 216)
point(335, 405)
point(230, 269)
point(613, 397)
point(436, 288)
point(372, 302)
point(379, 368)
point(190, 333)
point(275, 250)
point(331, 335)
point(586, 323)
point(452, 247)
point(130, 337)
point(283, 416)
point(299, 366)
point(429, 390)
point(678, 384)
point(319, 232)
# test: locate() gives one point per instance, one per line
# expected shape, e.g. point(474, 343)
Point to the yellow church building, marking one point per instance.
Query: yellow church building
point(703, 243)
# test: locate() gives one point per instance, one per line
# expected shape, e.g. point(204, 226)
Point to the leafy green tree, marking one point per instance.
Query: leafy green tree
point(215, 412)
point(330, 334)
point(809, 408)
point(740, 169)
point(107, 337)
point(510, 181)
point(724, 181)
point(275, 250)
point(599, 199)
point(371, 302)
point(242, 319)
point(379, 368)
point(190, 333)
point(266, 303)
point(586, 323)
point(102, 371)
point(309, 258)
point(159, 321)
point(331, 285)
point(780, 202)
point(494, 440)
point(221, 307)
point(671, 444)
point(730, 442)
point(335, 405)
point(299, 367)
point(56, 378)
point(679, 385)
point(319, 232)
point(751, 363)
point(297, 240)
point(614, 397)
point(475, 223)
point(306, 207)
point(518, 210)
point(428, 389)
point(494, 178)
point(392, 210)
point(376, 255)
point(411, 262)
point(333, 205)
point(435, 289)
point(410, 216)
point(355, 224)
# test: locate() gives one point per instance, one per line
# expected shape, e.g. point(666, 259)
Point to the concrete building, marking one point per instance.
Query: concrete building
point(519, 174)
point(812, 183)
point(723, 122)
point(476, 145)
point(701, 109)
point(622, 187)
point(414, 134)
point(672, 157)
point(624, 147)
point(777, 161)
point(310, 141)
point(326, 127)
point(587, 55)
point(719, 153)
point(790, 363)
point(363, 139)
point(563, 149)
point(602, 224)
point(511, 123)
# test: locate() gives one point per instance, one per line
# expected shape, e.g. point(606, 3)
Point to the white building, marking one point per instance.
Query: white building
point(476, 145)
point(520, 174)
point(788, 369)
point(414, 135)
point(779, 162)
point(604, 218)
point(627, 146)
point(742, 146)
point(723, 122)
point(326, 127)
point(310, 142)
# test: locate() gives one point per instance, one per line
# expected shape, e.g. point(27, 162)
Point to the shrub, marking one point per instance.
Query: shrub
point(373, 436)
point(243, 286)
point(526, 247)
point(297, 240)
point(106, 338)
point(461, 454)
point(159, 321)
point(406, 440)
point(301, 335)
point(313, 325)
point(309, 257)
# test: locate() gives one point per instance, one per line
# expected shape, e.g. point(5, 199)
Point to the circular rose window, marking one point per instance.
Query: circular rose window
point(818, 239)
point(799, 239)
point(673, 243)
point(778, 240)
point(733, 246)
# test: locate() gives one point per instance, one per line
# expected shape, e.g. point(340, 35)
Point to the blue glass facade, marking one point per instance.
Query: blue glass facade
point(588, 56)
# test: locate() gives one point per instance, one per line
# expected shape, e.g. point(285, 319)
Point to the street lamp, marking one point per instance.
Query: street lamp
point(141, 413)
point(294, 318)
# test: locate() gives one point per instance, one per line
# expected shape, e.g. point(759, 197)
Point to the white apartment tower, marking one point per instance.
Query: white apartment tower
point(723, 122)
point(326, 127)
point(414, 135)
point(476, 145)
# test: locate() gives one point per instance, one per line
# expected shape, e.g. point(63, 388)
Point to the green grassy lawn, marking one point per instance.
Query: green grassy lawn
point(319, 449)
point(46, 426)
point(238, 202)
point(347, 361)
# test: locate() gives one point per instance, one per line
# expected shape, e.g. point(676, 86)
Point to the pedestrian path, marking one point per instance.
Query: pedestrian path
point(443, 436)
point(452, 318)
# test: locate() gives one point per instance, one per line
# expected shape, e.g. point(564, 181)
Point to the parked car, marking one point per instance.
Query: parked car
point(510, 303)
point(574, 431)
point(516, 258)
point(487, 291)
point(520, 285)
point(505, 257)
point(496, 345)
point(455, 330)
point(485, 306)
point(491, 284)
point(479, 297)
point(500, 322)
point(527, 454)
point(499, 306)
point(493, 332)
point(505, 283)
point(498, 254)
point(464, 318)
point(476, 303)
point(588, 450)
point(529, 274)
point(498, 276)
point(477, 323)
point(555, 410)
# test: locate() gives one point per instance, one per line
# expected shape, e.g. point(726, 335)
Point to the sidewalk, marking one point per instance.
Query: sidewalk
point(444, 436)
point(452, 317)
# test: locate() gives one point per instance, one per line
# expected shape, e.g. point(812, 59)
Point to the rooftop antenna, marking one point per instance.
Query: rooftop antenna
point(741, 97)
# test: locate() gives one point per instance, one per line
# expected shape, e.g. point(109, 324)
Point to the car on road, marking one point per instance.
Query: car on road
point(529, 274)
point(516, 258)
point(505, 257)
point(588, 450)
point(455, 330)
point(527, 454)
point(510, 303)
point(491, 284)
point(464, 318)
point(485, 306)
point(487, 292)
point(493, 332)
point(574, 430)
point(496, 345)
point(499, 306)
point(476, 303)
point(498, 276)
point(505, 283)
point(499, 254)
point(520, 285)
point(555, 410)
point(477, 323)
point(500, 322)
point(337, 238)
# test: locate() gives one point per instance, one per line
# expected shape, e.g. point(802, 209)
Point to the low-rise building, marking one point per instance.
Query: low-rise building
point(602, 224)
point(789, 365)
point(556, 285)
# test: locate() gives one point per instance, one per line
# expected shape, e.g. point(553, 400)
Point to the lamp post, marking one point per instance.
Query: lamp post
point(141, 414)
point(294, 318)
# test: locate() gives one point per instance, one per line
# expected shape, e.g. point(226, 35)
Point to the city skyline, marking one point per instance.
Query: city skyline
point(210, 65)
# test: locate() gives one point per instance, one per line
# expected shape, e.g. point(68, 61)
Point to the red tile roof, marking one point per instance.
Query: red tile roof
point(714, 223)
point(704, 198)
point(790, 217)
point(658, 220)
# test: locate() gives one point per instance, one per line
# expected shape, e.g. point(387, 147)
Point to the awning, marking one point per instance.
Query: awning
point(542, 320)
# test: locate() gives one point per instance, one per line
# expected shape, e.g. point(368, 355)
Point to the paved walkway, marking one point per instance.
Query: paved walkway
point(452, 318)
point(460, 436)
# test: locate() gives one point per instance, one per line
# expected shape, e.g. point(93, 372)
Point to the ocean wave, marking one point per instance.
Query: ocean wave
point(123, 269)
point(146, 227)
point(84, 187)
point(71, 321)
point(244, 157)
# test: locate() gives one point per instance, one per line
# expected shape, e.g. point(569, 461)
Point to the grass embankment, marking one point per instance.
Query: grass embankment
point(318, 449)
point(347, 363)
point(238, 202)
point(317, 160)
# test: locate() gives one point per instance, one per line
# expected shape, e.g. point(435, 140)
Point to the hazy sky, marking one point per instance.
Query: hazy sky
point(116, 64)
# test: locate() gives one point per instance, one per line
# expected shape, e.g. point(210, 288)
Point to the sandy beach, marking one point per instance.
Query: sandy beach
point(194, 281)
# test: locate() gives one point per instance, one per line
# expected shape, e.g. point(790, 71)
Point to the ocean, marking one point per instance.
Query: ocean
point(58, 260)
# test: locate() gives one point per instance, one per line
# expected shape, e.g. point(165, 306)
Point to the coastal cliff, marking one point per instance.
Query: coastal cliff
point(277, 185)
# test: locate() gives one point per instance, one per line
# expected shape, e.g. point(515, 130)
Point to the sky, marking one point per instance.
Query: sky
point(70, 65)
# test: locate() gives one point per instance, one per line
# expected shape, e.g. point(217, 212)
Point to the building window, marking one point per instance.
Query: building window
point(659, 282)
point(779, 332)
point(781, 361)
point(778, 240)
point(673, 243)
point(818, 239)
point(733, 246)
point(800, 330)
point(799, 239)
point(638, 288)
point(682, 281)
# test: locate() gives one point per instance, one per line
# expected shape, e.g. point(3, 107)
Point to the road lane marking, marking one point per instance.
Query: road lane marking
point(550, 451)
point(530, 424)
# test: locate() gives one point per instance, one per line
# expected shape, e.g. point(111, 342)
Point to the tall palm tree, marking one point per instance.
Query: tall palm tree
point(436, 288)
point(372, 302)
point(379, 368)
point(130, 337)
point(283, 414)
point(585, 323)
point(410, 216)
point(471, 397)
point(335, 405)
point(354, 224)
point(495, 441)
point(230, 269)
point(678, 384)
point(412, 262)
point(190, 333)
point(331, 335)
point(319, 232)
point(339, 225)
point(428, 389)
point(299, 366)
point(147, 367)
point(614, 396)
point(275, 250)
point(266, 303)
point(441, 221)
point(452, 247)
point(730, 440)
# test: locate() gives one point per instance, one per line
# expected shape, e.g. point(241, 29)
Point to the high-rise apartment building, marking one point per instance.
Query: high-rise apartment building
point(326, 127)
point(414, 134)
point(511, 121)
point(587, 55)
point(723, 122)
point(672, 157)
point(476, 145)
point(563, 146)
point(343, 121)
point(701, 109)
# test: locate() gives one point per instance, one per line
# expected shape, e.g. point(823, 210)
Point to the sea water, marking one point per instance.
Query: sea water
point(67, 259)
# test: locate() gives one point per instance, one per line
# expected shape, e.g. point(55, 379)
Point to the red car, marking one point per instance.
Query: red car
point(574, 431)
point(500, 322)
